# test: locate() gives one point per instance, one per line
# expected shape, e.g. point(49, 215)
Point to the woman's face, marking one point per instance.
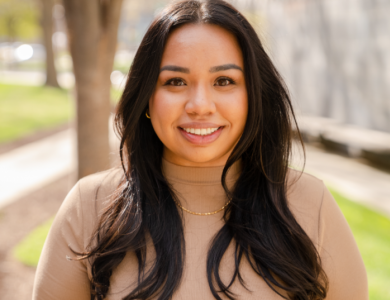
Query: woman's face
point(199, 106)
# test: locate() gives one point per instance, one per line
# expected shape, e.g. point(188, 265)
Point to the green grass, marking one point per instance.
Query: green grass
point(116, 94)
point(123, 67)
point(371, 231)
point(29, 249)
point(25, 109)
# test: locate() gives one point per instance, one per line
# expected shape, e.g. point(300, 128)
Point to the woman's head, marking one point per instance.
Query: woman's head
point(254, 112)
point(183, 73)
point(199, 105)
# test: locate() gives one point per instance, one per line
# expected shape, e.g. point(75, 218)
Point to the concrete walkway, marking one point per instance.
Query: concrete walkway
point(35, 78)
point(32, 166)
point(65, 79)
point(35, 165)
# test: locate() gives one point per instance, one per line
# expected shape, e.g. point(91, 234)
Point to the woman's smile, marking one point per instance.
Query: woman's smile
point(201, 136)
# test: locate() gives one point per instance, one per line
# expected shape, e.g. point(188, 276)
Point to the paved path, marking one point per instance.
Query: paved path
point(37, 164)
point(35, 78)
point(32, 166)
point(65, 79)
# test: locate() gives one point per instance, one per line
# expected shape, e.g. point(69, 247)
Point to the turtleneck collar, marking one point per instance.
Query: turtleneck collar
point(199, 175)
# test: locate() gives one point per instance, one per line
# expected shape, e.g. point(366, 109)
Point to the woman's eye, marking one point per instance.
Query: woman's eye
point(224, 81)
point(175, 82)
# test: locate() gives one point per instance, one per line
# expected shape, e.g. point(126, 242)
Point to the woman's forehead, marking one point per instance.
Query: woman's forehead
point(191, 44)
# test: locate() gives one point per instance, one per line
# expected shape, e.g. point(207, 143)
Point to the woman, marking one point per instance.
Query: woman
point(205, 206)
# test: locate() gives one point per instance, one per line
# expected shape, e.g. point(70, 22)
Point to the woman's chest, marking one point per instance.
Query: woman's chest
point(194, 283)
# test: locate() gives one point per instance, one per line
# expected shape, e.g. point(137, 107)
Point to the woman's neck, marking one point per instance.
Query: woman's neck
point(197, 162)
point(199, 189)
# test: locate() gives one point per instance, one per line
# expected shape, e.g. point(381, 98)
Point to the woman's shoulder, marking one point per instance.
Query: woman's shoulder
point(302, 186)
point(305, 195)
point(89, 194)
point(316, 210)
point(80, 211)
point(96, 189)
point(101, 183)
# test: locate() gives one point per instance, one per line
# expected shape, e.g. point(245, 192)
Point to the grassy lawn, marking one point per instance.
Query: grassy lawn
point(29, 249)
point(371, 231)
point(372, 234)
point(25, 109)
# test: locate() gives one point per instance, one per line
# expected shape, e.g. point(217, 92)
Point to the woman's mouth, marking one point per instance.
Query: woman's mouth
point(201, 136)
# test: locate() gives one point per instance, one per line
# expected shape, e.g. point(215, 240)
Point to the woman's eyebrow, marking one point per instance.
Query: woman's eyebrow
point(225, 67)
point(175, 69)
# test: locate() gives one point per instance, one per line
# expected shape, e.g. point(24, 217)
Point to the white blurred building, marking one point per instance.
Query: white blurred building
point(334, 55)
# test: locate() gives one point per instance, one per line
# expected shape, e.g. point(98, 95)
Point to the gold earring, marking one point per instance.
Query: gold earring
point(147, 115)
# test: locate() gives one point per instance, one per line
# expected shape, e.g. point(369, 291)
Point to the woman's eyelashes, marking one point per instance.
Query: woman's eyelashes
point(175, 82)
point(220, 81)
point(224, 81)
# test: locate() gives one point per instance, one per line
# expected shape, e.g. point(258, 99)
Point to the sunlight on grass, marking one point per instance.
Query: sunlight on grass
point(25, 109)
point(29, 249)
point(116, 95)
point(372, 233)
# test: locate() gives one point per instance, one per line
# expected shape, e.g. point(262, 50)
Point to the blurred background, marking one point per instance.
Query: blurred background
point(59, 85)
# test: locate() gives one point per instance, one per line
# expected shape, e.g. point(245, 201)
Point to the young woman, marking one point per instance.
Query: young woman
point(205, 205)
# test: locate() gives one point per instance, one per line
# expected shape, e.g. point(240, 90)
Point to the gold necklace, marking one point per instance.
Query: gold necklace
point(201, 214)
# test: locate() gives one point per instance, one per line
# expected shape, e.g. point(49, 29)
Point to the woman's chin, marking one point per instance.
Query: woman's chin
point(197, 159)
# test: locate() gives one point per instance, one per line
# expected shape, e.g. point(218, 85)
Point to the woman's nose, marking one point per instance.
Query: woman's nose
point(200, 101)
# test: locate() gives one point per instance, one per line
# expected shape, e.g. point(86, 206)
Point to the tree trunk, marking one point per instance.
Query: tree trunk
point(11, 32)
point(92, 34)
point(47, 28)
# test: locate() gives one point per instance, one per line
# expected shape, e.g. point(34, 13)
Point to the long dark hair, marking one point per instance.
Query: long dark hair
point(258, 219)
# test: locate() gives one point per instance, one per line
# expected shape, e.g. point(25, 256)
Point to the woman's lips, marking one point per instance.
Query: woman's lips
point(201, 139)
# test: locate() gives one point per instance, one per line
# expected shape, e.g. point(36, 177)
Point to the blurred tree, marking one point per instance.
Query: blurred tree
point(47, 30)
point(18, 19)
point(92, 34)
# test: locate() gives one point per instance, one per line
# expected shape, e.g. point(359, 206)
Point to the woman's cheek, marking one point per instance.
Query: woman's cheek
point(165, 109)
point(234, 108)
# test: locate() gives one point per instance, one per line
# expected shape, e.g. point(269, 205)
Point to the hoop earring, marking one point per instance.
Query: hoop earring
point(147, 115)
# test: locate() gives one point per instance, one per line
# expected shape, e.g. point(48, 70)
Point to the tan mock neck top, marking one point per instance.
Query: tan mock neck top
point(199, 190)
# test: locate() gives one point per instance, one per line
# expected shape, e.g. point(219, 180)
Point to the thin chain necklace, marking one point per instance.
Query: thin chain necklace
point(201, 214)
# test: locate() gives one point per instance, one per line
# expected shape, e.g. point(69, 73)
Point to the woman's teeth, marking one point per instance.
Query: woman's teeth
point(203, 131)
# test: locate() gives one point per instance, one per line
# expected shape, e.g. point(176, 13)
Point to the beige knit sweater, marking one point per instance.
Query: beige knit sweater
point(200, 190)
